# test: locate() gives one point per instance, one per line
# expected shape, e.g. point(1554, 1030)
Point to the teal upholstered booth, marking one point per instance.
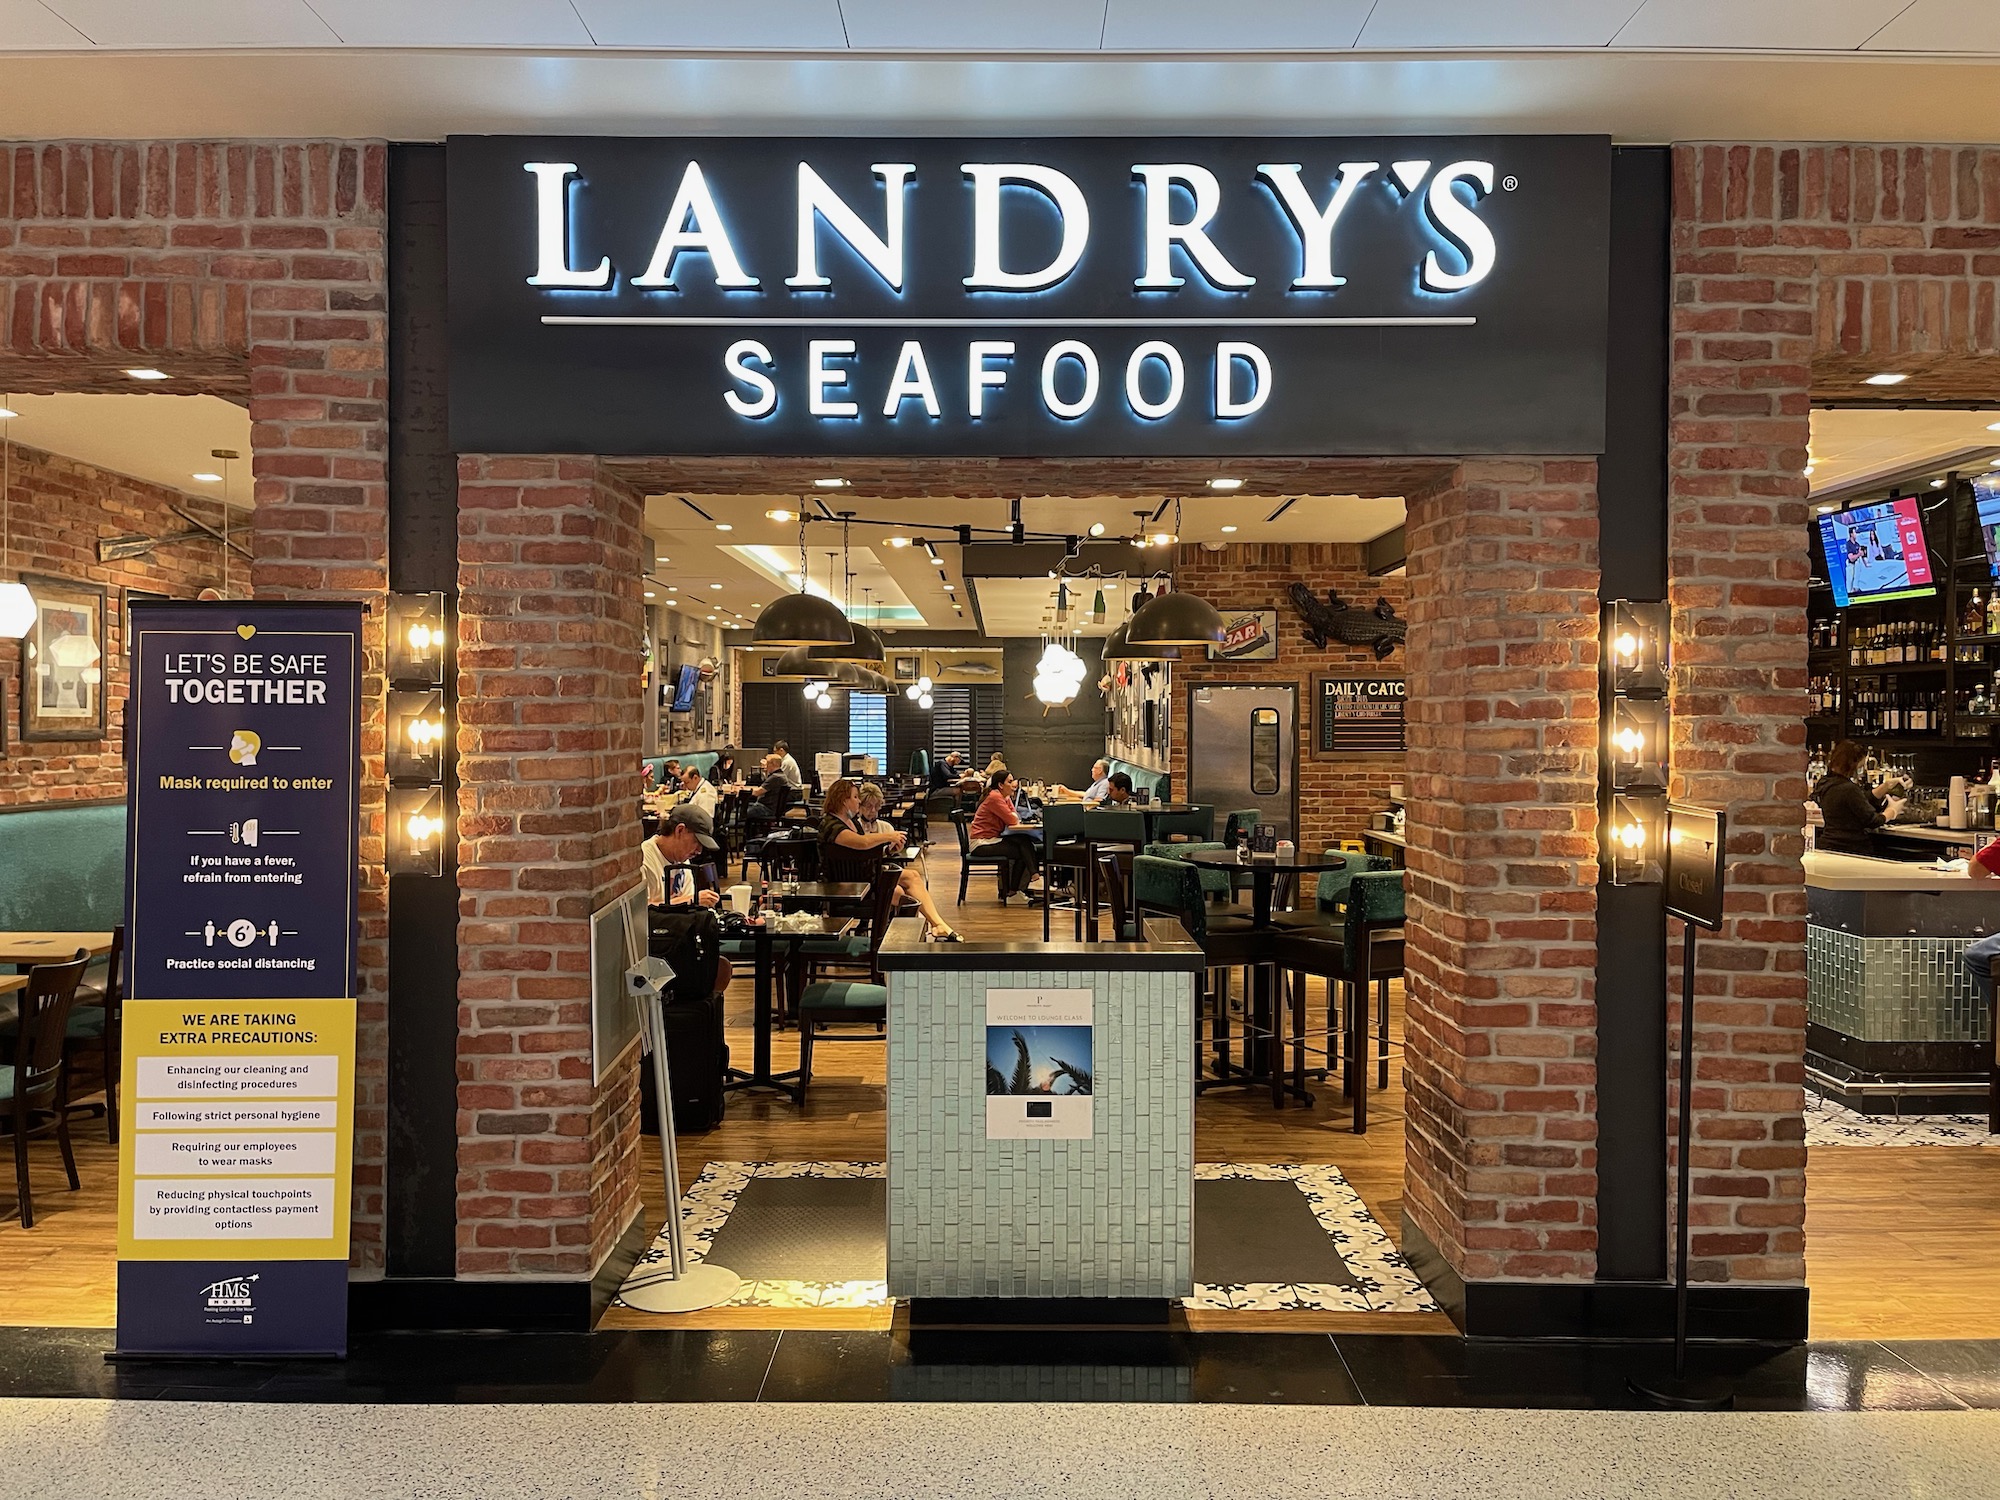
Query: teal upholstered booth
point(62, 868)
point(1154, 783)
point(702, 760)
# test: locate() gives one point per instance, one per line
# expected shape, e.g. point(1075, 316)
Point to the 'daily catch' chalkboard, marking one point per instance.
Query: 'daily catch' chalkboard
point(1358, 715)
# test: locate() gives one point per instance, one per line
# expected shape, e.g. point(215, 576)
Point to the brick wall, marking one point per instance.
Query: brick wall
point(548, 743)
point(60, 509)
point(1335, 797)
point(1501, 1014)
point(252, 270)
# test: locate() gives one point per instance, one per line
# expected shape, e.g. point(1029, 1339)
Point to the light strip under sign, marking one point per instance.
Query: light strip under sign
point(763, 322)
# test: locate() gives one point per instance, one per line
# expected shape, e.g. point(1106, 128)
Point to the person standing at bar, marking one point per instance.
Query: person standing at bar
point(1852, 811)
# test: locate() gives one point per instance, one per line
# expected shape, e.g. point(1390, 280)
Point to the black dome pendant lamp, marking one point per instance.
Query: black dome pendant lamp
point(801, 619)
point(866, 647)
point(1171, 618)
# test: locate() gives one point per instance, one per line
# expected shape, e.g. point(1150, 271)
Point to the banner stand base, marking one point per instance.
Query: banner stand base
point(699, 1286)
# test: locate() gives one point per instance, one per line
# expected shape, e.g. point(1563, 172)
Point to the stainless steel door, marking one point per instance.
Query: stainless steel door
point(1243, 751)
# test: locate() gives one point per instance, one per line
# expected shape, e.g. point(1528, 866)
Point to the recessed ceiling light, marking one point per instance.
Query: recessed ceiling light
point(1097, 528)
point(1937, 484)
point(899, 541)
point(952, 588)
point(780, 515)
point(724, 526)
point(1807, 471)
point(1225, 484)
point(711, 617)
point(207, 478)
point(1993, 426)
point(1229, 528)
point(830, 484)
point(1826, 510)
point(1885, 379)
point(650, 594)
point(7, 415)
point(149, 374)
point(715, 585)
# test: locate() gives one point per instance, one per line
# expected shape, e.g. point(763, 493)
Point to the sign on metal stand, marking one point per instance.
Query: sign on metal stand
point(1696, 839)
point(235, 1169)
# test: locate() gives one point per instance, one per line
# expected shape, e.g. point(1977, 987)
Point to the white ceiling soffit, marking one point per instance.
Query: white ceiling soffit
point(1853, 446)
point(164, 440)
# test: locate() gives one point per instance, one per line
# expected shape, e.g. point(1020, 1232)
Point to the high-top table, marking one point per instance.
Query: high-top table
point(22, 949)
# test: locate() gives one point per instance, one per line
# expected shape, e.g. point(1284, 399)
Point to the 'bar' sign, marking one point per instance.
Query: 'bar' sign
point(1359, 716)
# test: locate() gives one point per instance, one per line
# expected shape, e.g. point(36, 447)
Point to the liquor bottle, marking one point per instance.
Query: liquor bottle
point(1975, 616)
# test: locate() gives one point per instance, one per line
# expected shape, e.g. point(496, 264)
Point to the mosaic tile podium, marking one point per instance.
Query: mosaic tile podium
point(1110, 1215)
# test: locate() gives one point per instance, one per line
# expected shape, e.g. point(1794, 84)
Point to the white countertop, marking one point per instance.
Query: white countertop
point(1932, 835)
point(1827, 871)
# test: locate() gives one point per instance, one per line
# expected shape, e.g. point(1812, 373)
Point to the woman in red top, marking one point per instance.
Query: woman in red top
point(991, 824)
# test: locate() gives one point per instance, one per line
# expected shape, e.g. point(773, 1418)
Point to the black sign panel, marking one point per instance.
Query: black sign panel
point(1695, 842)
point(1359, 715)
point(244, 750)
point(1090, 297)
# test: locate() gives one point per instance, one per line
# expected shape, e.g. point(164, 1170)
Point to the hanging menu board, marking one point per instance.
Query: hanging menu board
point(1358, 716)
point(236, 1164)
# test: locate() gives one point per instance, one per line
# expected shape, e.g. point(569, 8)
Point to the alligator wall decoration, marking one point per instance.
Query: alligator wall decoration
point(1337, 620)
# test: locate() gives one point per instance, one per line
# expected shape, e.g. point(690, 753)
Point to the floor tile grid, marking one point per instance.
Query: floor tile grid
point(1832, 1124)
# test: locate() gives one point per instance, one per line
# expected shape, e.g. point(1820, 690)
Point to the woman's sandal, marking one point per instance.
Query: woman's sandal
point(946, 935)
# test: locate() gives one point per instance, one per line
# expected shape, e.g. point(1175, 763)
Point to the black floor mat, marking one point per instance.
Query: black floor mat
point(1247, 1230)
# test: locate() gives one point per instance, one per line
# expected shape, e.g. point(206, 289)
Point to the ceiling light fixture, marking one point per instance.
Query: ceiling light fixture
point(715, 585)
point(1937, 484)
point(724, 526)
point(899, 541)
point(17, 605)
point(1885, 379)
point(802, 619)
point(1229, 528)
point(149, 374)
point(1826, 510)
point(1993, 426)
point(780, 515)
point(1225, 484)
point(830, 484)
point(1097, 528)
point(6, 415)
point(650, 594)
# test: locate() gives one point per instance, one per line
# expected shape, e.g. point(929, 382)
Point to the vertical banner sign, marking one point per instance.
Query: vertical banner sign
point(242, 744)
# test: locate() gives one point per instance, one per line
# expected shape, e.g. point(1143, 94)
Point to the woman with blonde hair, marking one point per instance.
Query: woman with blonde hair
point(847, 853)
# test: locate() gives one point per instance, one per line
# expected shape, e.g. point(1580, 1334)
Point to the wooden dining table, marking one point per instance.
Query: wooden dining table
point(24, 949)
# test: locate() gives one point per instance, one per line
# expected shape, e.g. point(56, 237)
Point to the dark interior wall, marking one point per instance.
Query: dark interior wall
point(1060, 745)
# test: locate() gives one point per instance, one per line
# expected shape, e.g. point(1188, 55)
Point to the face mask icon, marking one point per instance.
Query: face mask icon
point(243, 747)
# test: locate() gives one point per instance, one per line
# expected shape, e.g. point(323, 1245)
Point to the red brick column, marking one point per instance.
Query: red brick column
point(1335, 797)
point(548, 742)
point(253, 270)
point(1501, 1014)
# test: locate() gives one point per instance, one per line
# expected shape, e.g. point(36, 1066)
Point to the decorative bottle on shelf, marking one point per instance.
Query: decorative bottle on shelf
point(1974, 622)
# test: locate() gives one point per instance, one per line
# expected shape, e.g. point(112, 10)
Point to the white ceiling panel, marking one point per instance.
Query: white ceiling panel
point(1942, 26)
point(959, 25)
point(790, 24)
point(27, 25)
point(1263, 25)
point(1793, 25)
point(193, 23)
point(164, 440)
point(1483, 23)
point(454, 23)
point(1853, 446)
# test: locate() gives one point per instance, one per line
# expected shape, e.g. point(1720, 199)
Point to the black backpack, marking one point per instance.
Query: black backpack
point(691, 943)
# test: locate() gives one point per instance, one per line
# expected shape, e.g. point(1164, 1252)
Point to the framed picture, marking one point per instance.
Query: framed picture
point(907, 668)
point(62, 661)
point(132, 596)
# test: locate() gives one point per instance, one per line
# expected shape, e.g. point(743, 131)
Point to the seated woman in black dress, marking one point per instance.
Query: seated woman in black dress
point(846, 853)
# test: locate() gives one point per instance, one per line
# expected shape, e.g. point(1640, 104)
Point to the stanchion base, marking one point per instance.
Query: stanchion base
point(1691, 1393)
point(701, 1286)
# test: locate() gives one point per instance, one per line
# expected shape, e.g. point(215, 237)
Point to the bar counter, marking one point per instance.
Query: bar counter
point(998, 1195)
point(1893, 1020)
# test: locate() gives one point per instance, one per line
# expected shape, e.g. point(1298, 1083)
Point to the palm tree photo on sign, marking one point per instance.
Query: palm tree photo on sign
point(1043, 1060)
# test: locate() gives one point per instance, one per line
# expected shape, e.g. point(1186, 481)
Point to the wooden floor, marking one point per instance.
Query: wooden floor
point(1901, 1242)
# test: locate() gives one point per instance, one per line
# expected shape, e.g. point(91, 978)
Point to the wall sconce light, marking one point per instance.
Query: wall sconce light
point(1636, 647)
point(1638, 748)
point(1636, 840)
point(416, 639)
point(416, 830)
point(416, 736)
point(1638, 738)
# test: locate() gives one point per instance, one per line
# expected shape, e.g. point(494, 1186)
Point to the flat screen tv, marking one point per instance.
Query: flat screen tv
point(690, 679)
point(1986, 501)
point(1877, 552)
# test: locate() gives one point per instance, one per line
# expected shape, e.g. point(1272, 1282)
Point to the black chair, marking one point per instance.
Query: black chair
point(1111, 881)
point(96, 1020)
point(1172, 887)
point(34, 1089)
point(1367, 948)
point(970, 859)
point(848, 1002)
point(1064, 847)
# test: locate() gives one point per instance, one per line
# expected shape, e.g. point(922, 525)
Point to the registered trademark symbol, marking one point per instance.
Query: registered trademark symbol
point(1510, 183)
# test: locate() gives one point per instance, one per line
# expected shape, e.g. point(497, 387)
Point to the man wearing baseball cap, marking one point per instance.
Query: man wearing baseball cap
point(685, 834)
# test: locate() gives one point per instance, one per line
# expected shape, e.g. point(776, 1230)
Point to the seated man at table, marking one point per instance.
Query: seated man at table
point(947, 771)
point(773, 797)
point(1118, 790)
point(698, 792)
point(678, 869)
point(1096, 792)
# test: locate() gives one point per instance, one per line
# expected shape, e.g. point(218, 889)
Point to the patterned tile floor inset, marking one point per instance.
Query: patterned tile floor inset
point(1384, 1282)
point(1832, 1124)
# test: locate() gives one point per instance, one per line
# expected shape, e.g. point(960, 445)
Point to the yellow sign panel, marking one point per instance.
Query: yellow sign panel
point(239, 1129)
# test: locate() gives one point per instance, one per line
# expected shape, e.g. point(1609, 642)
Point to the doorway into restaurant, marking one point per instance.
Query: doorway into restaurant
point(968, 610)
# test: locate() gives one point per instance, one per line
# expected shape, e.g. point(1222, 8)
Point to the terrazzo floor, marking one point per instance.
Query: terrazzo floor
point(103, 1450)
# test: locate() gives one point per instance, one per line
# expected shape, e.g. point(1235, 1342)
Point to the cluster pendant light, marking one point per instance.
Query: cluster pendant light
point(801, 619)
point(17, 605)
